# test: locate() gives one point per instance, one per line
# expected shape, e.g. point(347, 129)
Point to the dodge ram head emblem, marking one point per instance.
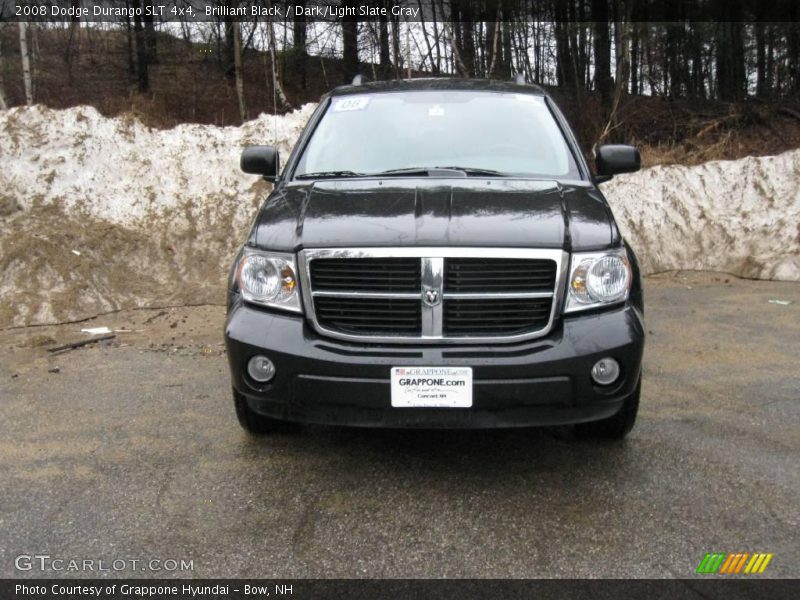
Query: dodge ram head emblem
point(431, 297)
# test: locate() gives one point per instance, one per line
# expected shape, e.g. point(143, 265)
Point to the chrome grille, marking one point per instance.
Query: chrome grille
point(445, 295)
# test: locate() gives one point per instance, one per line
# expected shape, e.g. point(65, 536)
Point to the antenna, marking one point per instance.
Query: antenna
point(519, 79)
point(359, 79)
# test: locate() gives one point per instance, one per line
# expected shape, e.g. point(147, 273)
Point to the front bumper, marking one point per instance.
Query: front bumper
point(541, 382)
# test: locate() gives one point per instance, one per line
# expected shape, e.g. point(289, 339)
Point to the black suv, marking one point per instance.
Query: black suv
point(436, 253)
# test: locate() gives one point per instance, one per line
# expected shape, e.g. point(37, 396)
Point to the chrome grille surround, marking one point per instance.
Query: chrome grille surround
point(432, 279)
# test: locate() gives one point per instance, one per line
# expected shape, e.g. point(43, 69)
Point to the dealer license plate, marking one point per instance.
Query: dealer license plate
point(432, 387)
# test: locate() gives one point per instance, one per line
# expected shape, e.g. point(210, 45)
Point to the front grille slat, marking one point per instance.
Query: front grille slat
point(366, 274)
point(369, 316)
point(506, 275)
point(466, 316)
point(481, 297)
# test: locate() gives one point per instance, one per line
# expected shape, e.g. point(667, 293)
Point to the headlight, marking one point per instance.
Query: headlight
point(269, 279)
point(597, 279)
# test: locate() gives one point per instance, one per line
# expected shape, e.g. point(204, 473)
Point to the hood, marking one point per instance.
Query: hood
point(434, 212)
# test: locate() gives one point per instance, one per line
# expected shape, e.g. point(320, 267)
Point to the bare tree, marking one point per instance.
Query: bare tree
point(142, 63)
point(277, 87)
point(383, 43)
point(237, 61)
point(26, 62)
point(3, 103)
point(350, 63)
point(299, 41)
point(602, 50)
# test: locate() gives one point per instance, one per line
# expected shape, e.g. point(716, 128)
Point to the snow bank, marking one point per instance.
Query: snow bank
point(120, 170)
point(98, 214)
point(739, 216)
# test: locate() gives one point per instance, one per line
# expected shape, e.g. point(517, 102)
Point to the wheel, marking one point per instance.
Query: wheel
point(617, 426)
point(255, 423)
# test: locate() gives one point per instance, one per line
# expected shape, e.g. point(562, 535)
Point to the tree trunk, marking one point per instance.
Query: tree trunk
point(761, 60)
point(770, 78)
point(349, 47)
point(793, 51)
point(428, 45)
point(731, 76)
point(72, 40)
point(384, 53)
point(563, 55)
point(468, 47)
point(26, 62)
point(142, 74)
point(506, 65)
point(634, 58)
point(237, 62)
point(623, 59)
point(438, 63)
point(150, 39)
point(696, 79)
point(398, 59)
point(299, 53)
point(228, 52)
point(493, 37)
point(129, 38)
point(602, 50)
point(672, 83)
point(277, 86)
point(3, 102)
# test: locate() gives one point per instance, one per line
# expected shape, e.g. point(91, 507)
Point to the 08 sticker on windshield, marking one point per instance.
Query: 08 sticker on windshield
point(350, 103)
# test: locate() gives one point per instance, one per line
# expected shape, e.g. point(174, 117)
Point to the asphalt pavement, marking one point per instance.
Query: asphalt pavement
point(131, 451)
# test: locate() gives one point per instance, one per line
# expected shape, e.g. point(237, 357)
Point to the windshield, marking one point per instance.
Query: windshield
point(513, 134)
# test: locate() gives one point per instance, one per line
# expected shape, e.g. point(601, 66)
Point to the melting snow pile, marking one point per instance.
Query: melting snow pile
point(739, 216)
point(98, 214)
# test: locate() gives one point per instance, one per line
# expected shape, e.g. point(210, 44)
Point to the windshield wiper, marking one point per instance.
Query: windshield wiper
point(477, 172)
point(405, 171)
point(434, 171)
point(329, 175)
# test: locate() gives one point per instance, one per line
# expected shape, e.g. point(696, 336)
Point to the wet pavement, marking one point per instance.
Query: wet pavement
point(131, 451)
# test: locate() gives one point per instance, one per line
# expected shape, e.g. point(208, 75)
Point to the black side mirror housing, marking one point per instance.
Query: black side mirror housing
point(613, 159)
point(261, 160)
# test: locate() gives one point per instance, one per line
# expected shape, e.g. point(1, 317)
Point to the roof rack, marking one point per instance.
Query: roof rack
point(359, 79)
point(519, 79)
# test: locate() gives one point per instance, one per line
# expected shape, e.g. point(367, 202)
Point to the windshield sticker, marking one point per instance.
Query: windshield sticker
point(435, 111)
point(352, 103)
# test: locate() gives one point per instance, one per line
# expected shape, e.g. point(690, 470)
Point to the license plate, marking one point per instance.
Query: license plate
point(432, 387)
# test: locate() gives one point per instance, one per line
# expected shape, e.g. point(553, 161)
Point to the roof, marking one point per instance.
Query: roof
point(440, 83)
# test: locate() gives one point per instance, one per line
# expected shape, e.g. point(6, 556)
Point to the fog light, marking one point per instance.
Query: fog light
point(261, 369)
point(605, 371)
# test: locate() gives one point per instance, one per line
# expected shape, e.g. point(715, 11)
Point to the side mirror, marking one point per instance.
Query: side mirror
point(612, 159)
point(261, 160)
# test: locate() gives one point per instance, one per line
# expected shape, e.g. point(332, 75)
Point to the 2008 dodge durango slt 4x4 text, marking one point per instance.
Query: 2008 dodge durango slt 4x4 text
point(436, 253)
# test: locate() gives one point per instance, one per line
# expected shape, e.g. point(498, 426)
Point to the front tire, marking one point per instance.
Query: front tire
point(615, 427)
point(254, 423)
